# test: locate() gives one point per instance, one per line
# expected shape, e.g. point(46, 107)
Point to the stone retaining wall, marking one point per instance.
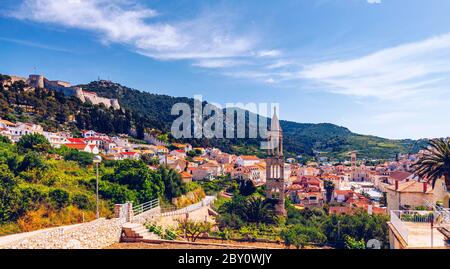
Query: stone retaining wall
point(91, 235)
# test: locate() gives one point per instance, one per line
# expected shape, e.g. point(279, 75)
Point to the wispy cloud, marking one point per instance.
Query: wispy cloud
point(218, 63)
point(268, 53)
point(34, 44)
point(130, 23)
point(374, 1)
point(407, 70)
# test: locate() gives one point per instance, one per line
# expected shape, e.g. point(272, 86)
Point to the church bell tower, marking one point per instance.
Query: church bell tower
point(275, 166)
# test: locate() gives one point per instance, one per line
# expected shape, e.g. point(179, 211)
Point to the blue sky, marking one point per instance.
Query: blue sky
point(379, 67)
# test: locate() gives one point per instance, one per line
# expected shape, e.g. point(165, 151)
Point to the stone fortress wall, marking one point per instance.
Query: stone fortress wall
point(95, 99)
point(39, 81)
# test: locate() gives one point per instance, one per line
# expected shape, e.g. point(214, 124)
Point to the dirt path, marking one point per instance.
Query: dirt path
point(235, 245)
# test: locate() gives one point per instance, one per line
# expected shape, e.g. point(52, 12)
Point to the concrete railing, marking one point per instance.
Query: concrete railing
point(172, 211)
point(399, 225)
point(139, 209)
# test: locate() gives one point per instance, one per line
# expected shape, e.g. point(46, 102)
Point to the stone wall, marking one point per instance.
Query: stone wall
point(91, 235)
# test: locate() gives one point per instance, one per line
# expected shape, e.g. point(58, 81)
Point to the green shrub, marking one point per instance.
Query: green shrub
point(82, 201)
point(32, 160)
point(32, 196)
point(59, 198)
point(299, 235)
point(153, 228)
point(9, 195)
point(4, 139)
point(170, 234)
point(249, 233)
point(81, 157)
point(33, 142)
point(352, 243)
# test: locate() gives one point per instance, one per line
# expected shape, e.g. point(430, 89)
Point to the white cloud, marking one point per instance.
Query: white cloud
point(268, 53)
point(374, 1)
point(36, 45)
point(131, 24)
point(217, 63)
point(413, 69)
point(279, 64)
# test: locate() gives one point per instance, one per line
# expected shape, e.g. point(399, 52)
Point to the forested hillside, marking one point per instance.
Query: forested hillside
point(144, 110)
point(299, 138)
point(43, 187)
point(54, 111)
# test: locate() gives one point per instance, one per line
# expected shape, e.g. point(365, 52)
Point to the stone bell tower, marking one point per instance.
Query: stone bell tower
point(353, 160)
point(275, 166)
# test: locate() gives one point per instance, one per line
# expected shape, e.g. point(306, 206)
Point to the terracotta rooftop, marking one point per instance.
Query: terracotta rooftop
point(76, 146)
point(399, 175)
point(249, 157)
point(412, 187)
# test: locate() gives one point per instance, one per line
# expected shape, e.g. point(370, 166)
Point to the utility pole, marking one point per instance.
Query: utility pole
point(97, 160)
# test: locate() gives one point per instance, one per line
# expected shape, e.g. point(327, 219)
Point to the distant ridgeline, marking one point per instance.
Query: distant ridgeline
point(306, 139)
point(140, 110)
point(39, 81)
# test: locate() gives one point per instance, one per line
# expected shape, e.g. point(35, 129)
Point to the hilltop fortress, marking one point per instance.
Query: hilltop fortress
point(39, 81)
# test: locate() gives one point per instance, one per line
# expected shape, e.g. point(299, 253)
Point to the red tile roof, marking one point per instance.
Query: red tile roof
point(399, 175)
point(76, 140)
point(76, 146)
point(128, 153)
point(185, 174)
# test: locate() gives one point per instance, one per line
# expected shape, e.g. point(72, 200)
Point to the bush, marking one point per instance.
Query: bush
point(4, 139)
point(170, 234)
point(9, 195)
point(167, 234)
point(81, 157)
point(299, 235)
point(352, 243)
point(82, 201)
point(9, 228)
point(59, 198)
point(116, 193)
point(32, 160)
point(249, 233)
point(225, 234)
point(33, 142)
point(32, 196)
point(45, 217)
point(136, 176)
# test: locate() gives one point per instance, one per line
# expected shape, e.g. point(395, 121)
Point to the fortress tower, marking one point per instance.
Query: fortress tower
point(79, 93)
point(275, 166)
point(353, 160)
point(36, 81)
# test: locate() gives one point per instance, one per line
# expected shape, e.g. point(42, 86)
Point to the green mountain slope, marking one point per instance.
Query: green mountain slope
point(299, 138)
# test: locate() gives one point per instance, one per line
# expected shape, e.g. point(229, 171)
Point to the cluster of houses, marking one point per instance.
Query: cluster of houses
point(377, 189)
point(114, 148)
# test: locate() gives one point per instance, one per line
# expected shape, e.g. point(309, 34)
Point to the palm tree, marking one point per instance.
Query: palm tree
point(256, 209)
point(435, 162)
